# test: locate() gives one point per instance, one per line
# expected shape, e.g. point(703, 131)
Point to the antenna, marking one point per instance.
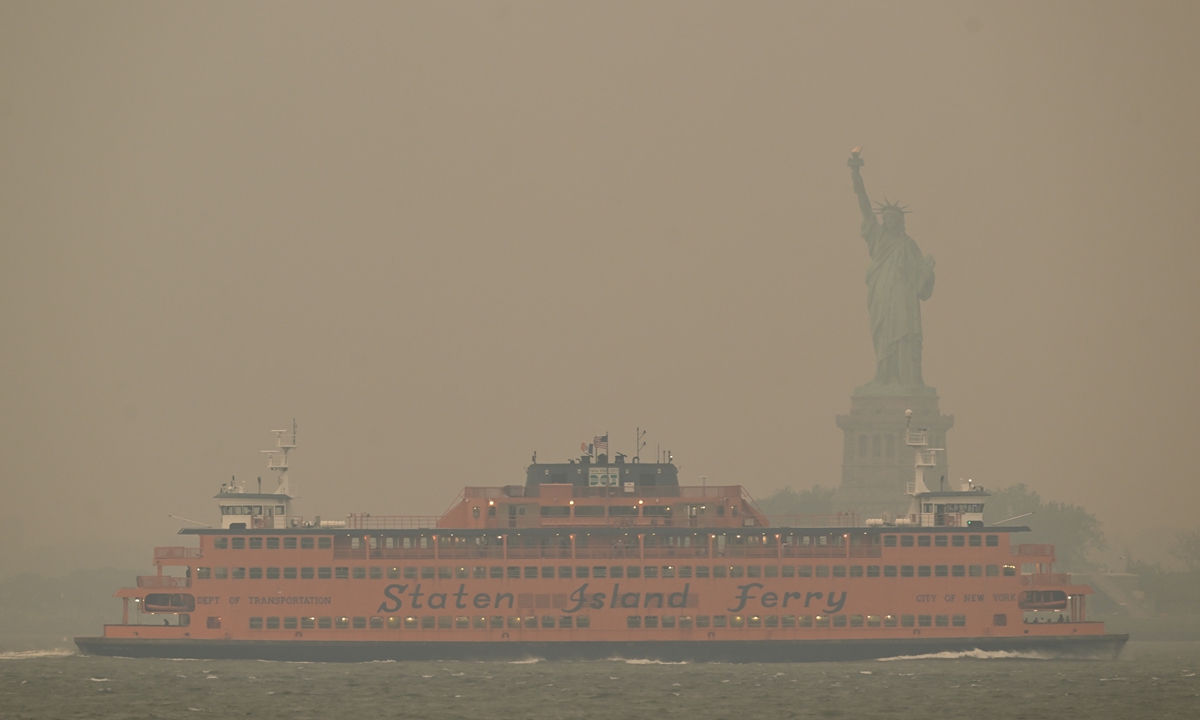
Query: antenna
point(277, 459)
point(637, 446)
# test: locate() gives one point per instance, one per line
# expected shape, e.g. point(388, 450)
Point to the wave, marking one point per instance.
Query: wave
point(650, 662)
point(526, 661)
point(35, 654)
point(976, 654)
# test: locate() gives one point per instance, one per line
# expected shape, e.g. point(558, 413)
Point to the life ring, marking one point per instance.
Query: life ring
point(951, 520)
point(259, 522)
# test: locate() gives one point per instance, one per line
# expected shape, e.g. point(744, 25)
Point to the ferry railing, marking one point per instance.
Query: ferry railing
point(1038, 579)
point(840, 519)
point(163, 581)
point(176, 553)
point(367, 521)
point(814, 551)
point(1042, 549)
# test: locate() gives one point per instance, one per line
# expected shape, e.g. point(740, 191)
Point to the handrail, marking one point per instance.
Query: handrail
point(367, 521)
point(163, 581)
point(176, 552)
point(1046, 579)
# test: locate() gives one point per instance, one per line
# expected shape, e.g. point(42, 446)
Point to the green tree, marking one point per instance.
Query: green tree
point(1073, 531)
point(1187, 548)
point(817, 500)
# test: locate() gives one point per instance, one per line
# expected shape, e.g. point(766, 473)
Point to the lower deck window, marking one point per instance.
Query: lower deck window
point(256, 623)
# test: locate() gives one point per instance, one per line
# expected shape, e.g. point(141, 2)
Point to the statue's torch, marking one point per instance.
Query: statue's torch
point(855, 161)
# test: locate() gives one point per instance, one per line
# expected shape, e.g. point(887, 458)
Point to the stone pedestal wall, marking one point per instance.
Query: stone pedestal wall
point(877, 465)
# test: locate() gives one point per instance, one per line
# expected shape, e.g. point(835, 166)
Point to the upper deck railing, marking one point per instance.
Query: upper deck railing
point(1038, 579)
point(367, 521)
point(176, 553)
point(841, 519)
point(1042, 549)
point(163, 581)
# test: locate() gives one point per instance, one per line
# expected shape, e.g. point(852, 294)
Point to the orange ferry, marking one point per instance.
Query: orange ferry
point(591, 560)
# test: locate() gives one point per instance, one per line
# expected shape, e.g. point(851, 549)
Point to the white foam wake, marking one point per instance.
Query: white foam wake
point(35, 654)
point(976, 654)
point(652, 662)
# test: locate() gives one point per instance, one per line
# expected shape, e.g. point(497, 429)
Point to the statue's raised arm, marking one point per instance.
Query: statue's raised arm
point(864, 203)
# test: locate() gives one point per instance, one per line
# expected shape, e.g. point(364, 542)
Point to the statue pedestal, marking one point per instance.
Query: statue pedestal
point(877, 465)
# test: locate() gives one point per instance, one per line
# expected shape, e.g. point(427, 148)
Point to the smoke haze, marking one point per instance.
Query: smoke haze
point(443, 236)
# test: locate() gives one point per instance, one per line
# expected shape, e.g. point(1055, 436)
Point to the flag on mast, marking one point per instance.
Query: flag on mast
point(601, 443)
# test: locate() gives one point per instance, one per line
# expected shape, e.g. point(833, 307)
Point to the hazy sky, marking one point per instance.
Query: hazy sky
point(445, 235)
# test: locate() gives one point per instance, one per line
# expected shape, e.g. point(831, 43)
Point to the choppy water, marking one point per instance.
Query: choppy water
point(1150, 680)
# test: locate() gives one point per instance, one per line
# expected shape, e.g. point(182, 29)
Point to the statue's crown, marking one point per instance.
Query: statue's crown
point(886, 206)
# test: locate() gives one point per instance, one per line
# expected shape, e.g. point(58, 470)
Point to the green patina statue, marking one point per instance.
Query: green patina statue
point(898, 279)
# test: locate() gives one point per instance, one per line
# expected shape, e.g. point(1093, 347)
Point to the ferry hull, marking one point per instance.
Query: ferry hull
point(1093, 647)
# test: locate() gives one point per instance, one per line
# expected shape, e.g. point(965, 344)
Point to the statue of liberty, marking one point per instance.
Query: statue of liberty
point(898, 279)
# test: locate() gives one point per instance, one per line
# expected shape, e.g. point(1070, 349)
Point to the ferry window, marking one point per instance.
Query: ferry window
point(582, 572)
point(958, 540)
point(872, 571)
point(889, 571)
point(822, 571)
point(203, 573)
point(890, 620)
point(360, 573)
point(512, 572)
point(906, 541)
point(719, 571)
point(220, 543)
point(428, 622)
point(770, 571)
point(239, 543)
point(906, 571)
point(213, 623)
point(857, 571)
point(907, 621)
point(633, 572)
point(289, 543)
point(531, 572)
point(993, 540)
point(889, 541)
point(787, 571)
point(804, 571)
point(564, 621)
point(306, 543)
point(1010, 570)
point(873, 621)
point(239, 573)
point(324, 573)
point(427, 572)
point(342, 623)
point(685, 621)
point(495, 572)
point(702, 621)
point(256, 573)
point(256, 623)
point(840, 571)
point(789, 621)
point(410, 573)
point(376, 573)
point(1000, 620)
point(496, 622)
point(599, 572)
point(443, 622)
point(272, 623)
point(308, 623)
point(306, 573)
point(668, 571)
point(720, 511)
point(941, 570)
point(976, 540)
point(341, 573)
point(583, 621)
point(857, 620)
point(462, 622)
point(975, 571)
point(924, 620)
point(272, 543)
point(444, 573)
point(651, 571)
point(530, 622)
point(702, 571)
point(480, 573)
point(751, 571)
point(719, 621)
point(616, 571)
point(633, 621)
point(960, 621)
point(324, 543)
point(923, 571)
point(355, 543)
point(923, 541)
point(822, 621)
point(461, 573)
point(804, 621)
point(272, 573)
point(940, 540)
point(393, 623)
point(223, 573)
point(324, 623)
point(256, 543)
point(514, 622)
point(475, 512)
point(958, 571)
point(993, 570)
point(771, 621)
point(410, 623)
point(839, 621)
point(942, 621)
point(862, 445)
